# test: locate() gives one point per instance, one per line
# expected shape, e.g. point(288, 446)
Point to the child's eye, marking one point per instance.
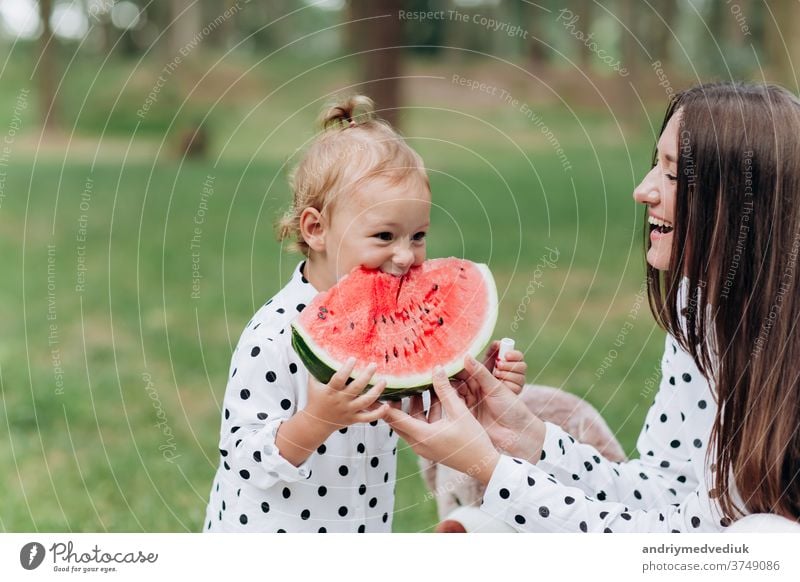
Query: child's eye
point(419, 236)
point(384, 236)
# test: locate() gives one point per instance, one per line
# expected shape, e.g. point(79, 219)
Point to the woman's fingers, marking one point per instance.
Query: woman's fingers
point(435, 413)
point(474, 387)
point(487, 382)
point(463, 375)
point(410, 429)
point(416, 408)
point(491, 354)
point(451, 403)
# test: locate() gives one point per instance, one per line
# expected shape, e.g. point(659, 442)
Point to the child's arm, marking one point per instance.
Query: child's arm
point(330, 407)
point(261, 400)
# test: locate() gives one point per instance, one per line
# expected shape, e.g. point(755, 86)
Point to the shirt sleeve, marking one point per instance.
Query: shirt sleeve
point(663, 473)
point(530, 500)
point(261, 394)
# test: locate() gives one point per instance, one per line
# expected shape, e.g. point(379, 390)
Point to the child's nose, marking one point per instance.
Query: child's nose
point(647, 191)
point(403, 256)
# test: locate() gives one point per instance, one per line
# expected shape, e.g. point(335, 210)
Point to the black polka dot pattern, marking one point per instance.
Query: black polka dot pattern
point(256, 489)
point(617, 497)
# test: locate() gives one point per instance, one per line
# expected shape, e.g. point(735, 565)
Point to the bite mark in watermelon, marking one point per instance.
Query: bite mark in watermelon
point(433, 315)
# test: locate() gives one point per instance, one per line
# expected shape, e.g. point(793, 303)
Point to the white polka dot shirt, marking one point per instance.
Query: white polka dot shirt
point(346, 485)
point(573, 489)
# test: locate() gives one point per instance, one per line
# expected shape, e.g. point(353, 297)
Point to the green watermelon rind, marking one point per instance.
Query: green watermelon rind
point(322, 366)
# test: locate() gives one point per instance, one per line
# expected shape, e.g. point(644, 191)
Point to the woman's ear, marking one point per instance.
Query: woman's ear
point(313, 228)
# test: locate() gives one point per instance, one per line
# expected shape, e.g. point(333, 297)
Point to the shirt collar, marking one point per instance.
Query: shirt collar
point(300, 287)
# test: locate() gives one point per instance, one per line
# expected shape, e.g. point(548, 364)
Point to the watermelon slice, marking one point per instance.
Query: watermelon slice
point(433, 315)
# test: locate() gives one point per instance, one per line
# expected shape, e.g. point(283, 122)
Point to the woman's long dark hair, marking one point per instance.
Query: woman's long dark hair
point(731, 295)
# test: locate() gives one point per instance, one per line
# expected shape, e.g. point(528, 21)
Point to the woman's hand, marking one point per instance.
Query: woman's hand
point(512, 427)
point(449, 435)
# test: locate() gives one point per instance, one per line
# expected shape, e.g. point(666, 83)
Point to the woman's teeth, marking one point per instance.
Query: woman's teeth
point(661, 226)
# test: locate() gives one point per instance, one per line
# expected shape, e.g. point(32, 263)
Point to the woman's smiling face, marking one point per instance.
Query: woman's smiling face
point(657, 190)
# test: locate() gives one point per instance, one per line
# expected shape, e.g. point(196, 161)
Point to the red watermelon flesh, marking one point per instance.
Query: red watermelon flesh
point(433, 315)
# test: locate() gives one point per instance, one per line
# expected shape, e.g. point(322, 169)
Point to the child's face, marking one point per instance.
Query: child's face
point(382, 226)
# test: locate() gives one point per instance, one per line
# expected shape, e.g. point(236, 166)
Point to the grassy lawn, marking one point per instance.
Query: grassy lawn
point(113, 364)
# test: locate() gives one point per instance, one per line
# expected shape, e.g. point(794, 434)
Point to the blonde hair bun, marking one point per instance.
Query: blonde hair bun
point(349, 112)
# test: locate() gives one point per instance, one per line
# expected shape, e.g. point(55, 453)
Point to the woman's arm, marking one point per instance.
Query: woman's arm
point(663, 473)
point(522, 494)
point(528, 499)
point(449, 434)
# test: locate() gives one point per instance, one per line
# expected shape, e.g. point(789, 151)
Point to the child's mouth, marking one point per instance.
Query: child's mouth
point(658, 225)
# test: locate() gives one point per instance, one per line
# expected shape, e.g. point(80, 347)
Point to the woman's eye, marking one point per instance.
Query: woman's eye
point(384, 236)
point(671, 178)
point(419, 236)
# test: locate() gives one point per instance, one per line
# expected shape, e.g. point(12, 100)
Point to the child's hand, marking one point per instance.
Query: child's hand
point(338, 404)
point(510, 371)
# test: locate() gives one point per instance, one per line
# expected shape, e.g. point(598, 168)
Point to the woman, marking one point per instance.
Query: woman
point(722, 438)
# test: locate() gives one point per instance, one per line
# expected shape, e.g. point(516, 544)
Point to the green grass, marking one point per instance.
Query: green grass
point(89, 455)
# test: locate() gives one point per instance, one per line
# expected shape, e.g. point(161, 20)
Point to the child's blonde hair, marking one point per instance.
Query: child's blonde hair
point(353, 146)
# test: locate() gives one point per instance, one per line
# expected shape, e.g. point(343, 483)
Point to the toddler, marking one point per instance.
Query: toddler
point(297, 455)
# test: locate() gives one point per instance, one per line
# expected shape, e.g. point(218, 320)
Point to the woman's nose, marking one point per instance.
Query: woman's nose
point(647, 191)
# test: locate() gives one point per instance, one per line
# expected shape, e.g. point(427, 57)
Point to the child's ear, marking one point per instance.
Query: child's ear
point(312, 229)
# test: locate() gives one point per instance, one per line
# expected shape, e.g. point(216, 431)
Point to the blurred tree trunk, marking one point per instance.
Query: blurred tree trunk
point(537, 21)
point(160, 15)
point(629, 36)
point(187, 20)
point(717, 19)
point(221, 36)
point(47, 69)
point(585, 9)
point(782, 59)
point(379, 63)
point(661, 20)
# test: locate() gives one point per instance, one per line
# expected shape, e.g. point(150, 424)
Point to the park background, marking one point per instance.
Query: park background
point(143, 163)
